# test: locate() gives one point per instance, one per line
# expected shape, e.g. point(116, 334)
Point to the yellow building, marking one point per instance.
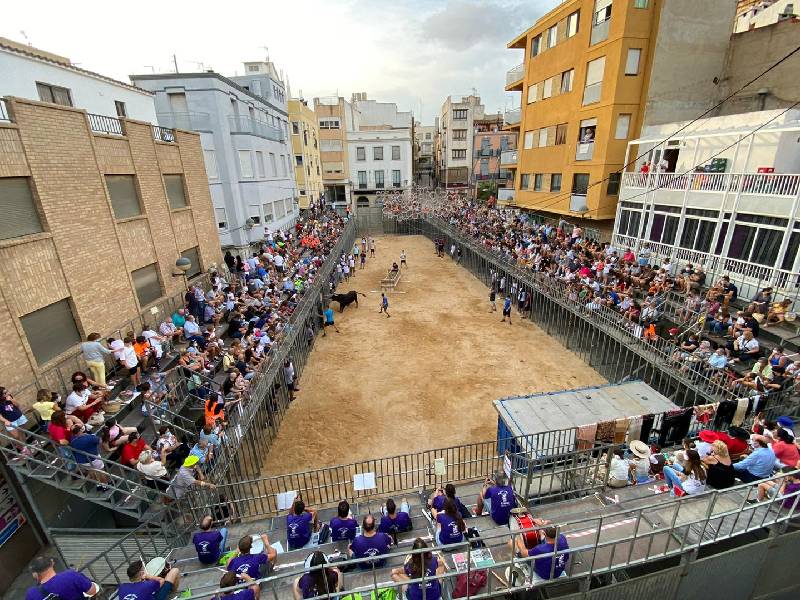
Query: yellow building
point(305, 147)
point(583, 83)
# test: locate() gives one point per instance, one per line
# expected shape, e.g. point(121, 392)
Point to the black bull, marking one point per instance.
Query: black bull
point(346, 299)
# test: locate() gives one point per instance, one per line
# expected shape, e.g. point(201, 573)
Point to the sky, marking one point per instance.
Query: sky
point(412, 52)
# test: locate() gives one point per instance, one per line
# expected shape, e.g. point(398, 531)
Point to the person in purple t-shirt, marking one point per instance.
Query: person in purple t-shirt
point(343, 526)
point(68, 585)
point(395, 521)
point(449, 524)
point(148, 587)
point(496, 498)
point(544, 567)
point(252, 564)
point(317, 582)
point(301, 522)
point(370, 543)
point(209, 543)
point(231, 579)
point(436, 502)
point(413, 568)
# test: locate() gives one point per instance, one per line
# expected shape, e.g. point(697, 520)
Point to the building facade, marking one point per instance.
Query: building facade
point(333, 115)
point(243, 124)
point(425, 142)
point(489, 142)
point(305, 146)
point(455, 156)
point(587, 73)
point(719, 197)
point(751, 15)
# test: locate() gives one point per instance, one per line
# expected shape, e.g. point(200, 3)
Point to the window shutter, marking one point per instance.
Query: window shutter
point(545, 182)
point(147, 284)
point(540, 91)
point(18, 208)
point(124, 199)
point(51, 330)
point(556, 84)
point(562, 30)
point(551, 135)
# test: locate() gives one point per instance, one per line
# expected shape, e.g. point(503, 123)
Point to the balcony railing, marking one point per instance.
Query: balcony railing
point(515, 74)
point(104, 124)
point(584, 151)
point(763, 184)
point(190, 121)
point(512, 117)
point(4, 116)
point(163, 134)
point(600, 32)
point(509, 157)
point(242, 124)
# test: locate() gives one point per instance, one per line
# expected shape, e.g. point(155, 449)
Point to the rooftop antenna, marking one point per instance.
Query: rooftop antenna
point(175, 62)
point(26, 37)
point(266, 52)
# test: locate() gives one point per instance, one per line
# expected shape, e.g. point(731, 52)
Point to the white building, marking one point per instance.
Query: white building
point(27, 72)
point(721, 198)
point(766, 13)
point(457, 120)
point(425, 141)
point(244, 128)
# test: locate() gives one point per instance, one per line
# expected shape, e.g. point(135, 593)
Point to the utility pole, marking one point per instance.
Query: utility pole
point(175, 62)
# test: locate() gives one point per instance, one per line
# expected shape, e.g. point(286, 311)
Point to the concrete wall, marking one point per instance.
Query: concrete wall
point(19, 74)
point(750, 53)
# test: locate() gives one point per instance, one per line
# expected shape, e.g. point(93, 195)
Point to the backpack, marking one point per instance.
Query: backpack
point(471, 583)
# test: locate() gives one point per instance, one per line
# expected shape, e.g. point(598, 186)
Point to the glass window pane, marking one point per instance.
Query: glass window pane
point(791, 252)
point(147, 284)
point(670, 230)
point(767, 246)
point(742, 242)
point(124, 198)
point(193, 255)
point(175, 191)
point(705, 236)
point(658, 227)
point(18, 208)
point(50, 330)
point(689, 232)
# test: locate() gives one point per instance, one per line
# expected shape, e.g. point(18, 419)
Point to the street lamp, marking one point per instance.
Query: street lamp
point(183, 264)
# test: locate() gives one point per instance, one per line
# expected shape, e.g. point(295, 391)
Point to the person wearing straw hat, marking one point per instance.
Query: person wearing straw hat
point(144, 586)
point(640, 463)
point(187, 477)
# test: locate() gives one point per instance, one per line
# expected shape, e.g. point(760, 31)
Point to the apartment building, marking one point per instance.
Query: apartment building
point(243, 124)
point(454, 158)
point(334, 114)
point(752, 15)
point(590, 67)
point(305, 146)
point(490, 141)
point(719, 198)
point(425, 143)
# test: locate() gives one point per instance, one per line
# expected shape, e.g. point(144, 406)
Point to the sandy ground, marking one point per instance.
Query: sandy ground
point(424, 378)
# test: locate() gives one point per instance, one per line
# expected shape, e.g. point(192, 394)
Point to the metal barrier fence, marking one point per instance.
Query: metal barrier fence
point(662, 528)
point(612, 345)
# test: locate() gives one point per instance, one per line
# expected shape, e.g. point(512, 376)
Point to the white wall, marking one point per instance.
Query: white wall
point(19, 74)
point(386, 139)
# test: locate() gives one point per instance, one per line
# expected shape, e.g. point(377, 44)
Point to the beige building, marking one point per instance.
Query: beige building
point(333, 115)
point(455, 150)
point(305, 146)
point(97, 211)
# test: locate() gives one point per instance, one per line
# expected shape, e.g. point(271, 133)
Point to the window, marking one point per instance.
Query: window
point(50, 330)
point(594, 80)
point(613, 184)
point(272, 166)
point(361, 153)
point(147, 284)
point(245, 164)
point(587, 130)
point(18, 208)
point(377, 153)
point(210, 158)
point(580, 183)
point(484, 166)
point(524, 181)
point(330, 145)
point(459, 114)
point(119, 106)
point(362, 180)
point(379, 183)
point(459, 154)
point(282, 163)
point(124, 197)
point(533, 93)
point(396, 177)
point(543, 137)
point(548, 88)
point(254, 213)
point(536, 45)
point(572, 23)
point(193, 254)
point(459, 134)
point(175, 191)
point(552, 36)
point(639, 3)
point(268, 216)
point(623, 125)
point(632, 63)
point(528, 141)
point(561, 134)
point(298, 160)
point(427, 136)
point(279, 209)
point(600, 22)
point(537, 182)
point(295, 128)
point(566, 81)
point(222, 218)
point(54, 94)
point(555, 182)
point(395, 152)
point(329, 123)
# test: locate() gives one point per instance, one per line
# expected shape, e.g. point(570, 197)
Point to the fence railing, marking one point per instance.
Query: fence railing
point(766, 184)
point(163, 134)
point(514, 74)
point(105, 124)
point(243, 124)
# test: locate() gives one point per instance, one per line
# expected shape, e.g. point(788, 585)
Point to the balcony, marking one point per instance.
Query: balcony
point(163, 134)
point(746, 184)
point(190, 121)
point(506, 196)
point(509, 158)
point(240, 124)
point(105, 125)
point(600, 32)
point(514, 77)
point(512, 118)
point(584, 151)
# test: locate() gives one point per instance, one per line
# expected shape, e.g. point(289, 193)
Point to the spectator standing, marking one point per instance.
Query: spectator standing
point(94, 354)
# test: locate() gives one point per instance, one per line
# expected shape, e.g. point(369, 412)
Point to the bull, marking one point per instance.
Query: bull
point(346, 299)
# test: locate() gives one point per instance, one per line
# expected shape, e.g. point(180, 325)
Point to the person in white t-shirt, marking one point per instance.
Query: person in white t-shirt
point(130, 361)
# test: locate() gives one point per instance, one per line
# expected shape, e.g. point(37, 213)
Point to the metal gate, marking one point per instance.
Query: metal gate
point(369, 219)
